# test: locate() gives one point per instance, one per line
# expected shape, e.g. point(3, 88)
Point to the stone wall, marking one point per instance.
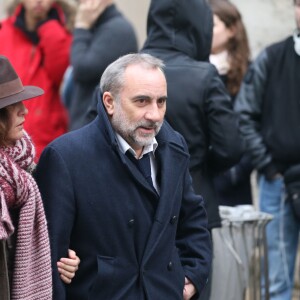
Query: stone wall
point(2, 10)
point(266, 21)
point(136, 11)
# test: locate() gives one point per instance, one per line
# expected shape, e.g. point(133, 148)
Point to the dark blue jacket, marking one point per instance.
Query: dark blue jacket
point(98, 204)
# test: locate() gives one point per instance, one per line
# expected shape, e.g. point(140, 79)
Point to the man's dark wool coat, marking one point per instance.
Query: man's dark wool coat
point(132, 243)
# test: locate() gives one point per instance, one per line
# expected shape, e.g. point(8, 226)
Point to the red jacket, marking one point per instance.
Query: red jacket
point(42, 64)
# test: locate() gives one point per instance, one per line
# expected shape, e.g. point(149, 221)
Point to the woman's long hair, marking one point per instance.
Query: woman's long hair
point(238, 47)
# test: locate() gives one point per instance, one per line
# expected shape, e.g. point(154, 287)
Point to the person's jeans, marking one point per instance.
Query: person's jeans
point(282, 238)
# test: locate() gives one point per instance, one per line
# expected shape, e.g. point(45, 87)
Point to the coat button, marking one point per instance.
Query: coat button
point(170, 266)
point(173, 220)
point(131, 223)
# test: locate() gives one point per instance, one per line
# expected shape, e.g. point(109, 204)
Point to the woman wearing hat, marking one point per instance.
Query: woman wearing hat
point(25, 265)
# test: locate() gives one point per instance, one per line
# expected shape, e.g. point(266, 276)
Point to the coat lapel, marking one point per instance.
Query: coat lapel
point(172, 160)
point(172, 163)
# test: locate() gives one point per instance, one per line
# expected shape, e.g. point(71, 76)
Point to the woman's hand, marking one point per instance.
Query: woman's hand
point(67, 267)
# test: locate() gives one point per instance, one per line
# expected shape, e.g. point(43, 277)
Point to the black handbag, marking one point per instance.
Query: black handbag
point(292, 187)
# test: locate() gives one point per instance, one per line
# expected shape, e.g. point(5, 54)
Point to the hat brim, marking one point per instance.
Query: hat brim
point(28, 93)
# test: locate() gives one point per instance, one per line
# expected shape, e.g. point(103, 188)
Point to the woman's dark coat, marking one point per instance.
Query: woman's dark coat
point(98, 204)
point(180, 33)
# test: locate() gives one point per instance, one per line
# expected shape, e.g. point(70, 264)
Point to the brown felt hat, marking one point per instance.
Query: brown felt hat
point(11, 87)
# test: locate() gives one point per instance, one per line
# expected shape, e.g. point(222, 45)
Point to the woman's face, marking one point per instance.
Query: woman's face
point(16, 118)
point(221, 36)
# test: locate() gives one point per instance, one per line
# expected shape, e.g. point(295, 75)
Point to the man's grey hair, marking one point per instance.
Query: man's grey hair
point(112, 79)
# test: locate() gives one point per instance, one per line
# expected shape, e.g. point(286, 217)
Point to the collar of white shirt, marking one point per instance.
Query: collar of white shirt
point(124, 147)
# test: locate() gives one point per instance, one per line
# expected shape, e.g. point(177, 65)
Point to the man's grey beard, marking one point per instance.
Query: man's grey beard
point(128, 131)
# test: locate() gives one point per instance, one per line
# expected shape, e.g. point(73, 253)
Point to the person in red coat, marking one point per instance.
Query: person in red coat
point(37, 43)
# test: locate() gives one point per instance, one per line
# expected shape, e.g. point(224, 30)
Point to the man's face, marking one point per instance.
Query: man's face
point(138, 113)
point(37, 10)
point(297, 13)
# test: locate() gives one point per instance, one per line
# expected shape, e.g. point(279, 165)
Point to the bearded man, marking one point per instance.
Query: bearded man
point(118, 191)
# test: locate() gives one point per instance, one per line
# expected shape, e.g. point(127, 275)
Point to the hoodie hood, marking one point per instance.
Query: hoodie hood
point(181, 25)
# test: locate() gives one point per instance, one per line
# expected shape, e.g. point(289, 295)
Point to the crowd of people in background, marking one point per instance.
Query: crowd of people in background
point(120, 144)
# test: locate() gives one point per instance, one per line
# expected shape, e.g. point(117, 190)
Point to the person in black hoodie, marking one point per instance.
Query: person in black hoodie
point(199, 107)
point(180, 33)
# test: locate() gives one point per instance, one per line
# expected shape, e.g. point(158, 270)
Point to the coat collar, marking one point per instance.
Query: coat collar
point(170, 152)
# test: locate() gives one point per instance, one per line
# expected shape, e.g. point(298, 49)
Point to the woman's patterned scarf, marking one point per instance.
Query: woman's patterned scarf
point(32, 277)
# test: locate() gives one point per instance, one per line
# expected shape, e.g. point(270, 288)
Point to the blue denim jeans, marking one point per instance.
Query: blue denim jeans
point(282, 238)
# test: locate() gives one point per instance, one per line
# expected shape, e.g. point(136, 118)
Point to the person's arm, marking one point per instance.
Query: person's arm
point(67, 267)
point(226, 143)
point(90, 54)
point(236, 175)
point(55, 184)
point(248, 104)
point(193, 240)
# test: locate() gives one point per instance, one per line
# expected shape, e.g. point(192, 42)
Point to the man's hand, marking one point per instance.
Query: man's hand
point(189, 289)
point(68, 266)
point(89, 11)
